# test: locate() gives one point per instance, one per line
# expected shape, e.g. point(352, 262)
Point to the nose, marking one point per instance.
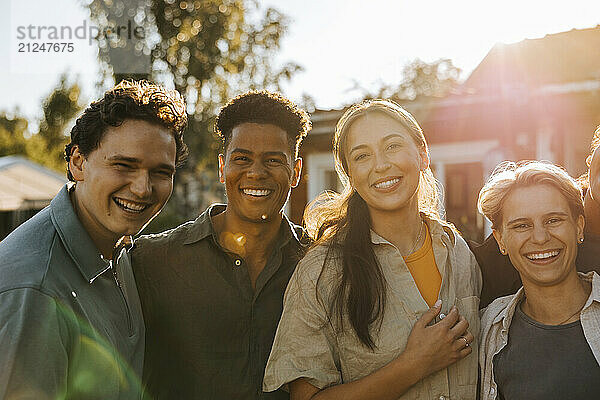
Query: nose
point(381, 162)
point(539, 234)
point(141, 185)
point(256, 171)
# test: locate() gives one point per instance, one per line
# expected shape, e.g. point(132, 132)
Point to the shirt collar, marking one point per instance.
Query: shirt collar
point(593, 277)
point(506, 315)
point(203, 227)
point(75, 238)
point(437, 229)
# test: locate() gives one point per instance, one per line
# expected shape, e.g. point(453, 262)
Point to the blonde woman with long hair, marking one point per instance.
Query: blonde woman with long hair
point(384, 306)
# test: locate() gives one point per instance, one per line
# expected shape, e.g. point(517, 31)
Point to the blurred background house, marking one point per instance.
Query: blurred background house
point(536, 99)
point(25, 188)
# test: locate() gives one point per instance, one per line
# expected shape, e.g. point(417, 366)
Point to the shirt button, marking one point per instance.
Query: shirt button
point(492, 391)
point(238, 263)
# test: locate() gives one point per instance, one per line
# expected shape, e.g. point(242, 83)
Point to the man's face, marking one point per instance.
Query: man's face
point(124, 183)
point(258, 170)
point(594, 176)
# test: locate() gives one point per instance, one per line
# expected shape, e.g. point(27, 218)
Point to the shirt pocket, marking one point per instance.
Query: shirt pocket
point(467, 368)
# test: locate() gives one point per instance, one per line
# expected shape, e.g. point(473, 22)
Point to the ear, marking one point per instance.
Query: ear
point(221, 168)
point(498, 236)
point(77, 164)
point(580, 225)
point(297, 172)
point(424, 160)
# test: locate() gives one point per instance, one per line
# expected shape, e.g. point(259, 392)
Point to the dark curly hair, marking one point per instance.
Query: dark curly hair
point(141, 100)
point(264, 107)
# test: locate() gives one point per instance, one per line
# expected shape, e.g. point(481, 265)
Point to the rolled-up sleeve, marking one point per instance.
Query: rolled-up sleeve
point(305, 345)
point(33, 355)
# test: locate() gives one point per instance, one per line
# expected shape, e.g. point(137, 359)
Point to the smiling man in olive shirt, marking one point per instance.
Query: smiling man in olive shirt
point(70, 320)
point(212, 289)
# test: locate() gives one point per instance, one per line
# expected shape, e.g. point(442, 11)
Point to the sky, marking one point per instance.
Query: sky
point(339, 43)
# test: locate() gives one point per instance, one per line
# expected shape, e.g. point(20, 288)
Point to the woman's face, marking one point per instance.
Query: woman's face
point(384, 163)
point(540, 234)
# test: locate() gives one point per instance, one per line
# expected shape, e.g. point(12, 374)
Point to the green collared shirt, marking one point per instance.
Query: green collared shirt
point(67, 330)
point(209, 333)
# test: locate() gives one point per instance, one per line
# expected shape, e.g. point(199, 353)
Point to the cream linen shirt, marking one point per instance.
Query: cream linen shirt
point(310, 344)
point(496, 320)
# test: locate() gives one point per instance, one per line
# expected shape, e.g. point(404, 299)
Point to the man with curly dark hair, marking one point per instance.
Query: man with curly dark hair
point(71, 324)
point(212, 289)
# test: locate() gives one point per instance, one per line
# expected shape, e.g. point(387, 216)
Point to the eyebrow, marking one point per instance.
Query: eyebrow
point(385, 138)
point(266, 153)
point(561, 214)
point(134, 160)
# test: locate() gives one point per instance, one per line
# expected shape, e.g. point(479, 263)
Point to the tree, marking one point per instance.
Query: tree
point(210, 50)
point(421, 81)
point(12, 135)
point(59, 107)
point(46, 146)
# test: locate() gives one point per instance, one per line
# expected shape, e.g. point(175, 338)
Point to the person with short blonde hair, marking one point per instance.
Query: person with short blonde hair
point(499, 276)
point(544, 341)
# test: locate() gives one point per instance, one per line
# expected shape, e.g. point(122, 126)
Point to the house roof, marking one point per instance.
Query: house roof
point(555, 59)
point(26, 185)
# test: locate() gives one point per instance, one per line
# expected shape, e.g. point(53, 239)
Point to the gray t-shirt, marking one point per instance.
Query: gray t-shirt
point(546, 362)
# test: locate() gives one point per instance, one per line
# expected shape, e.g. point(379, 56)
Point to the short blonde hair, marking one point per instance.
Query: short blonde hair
point(509, 175)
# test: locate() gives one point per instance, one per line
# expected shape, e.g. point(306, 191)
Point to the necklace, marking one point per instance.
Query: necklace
point(418, 239)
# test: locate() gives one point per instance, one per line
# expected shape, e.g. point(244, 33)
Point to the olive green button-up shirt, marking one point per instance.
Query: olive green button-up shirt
point(208, 332)
point(308, 344)
point(67, 330)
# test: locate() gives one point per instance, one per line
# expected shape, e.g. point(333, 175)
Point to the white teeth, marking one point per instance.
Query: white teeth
point(257, 192)
point(387, 184)
point(541, 256)
point(130, 206)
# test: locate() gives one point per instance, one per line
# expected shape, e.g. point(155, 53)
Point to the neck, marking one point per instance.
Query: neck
point(400, 227)
point(558, 304)
point(592, 214)
point(105, 241)
point(248, 239)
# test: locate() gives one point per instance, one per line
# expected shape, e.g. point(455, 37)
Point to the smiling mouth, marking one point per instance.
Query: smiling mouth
point(386, 184)
point(543, 256)
point(257, 192)
point(130, 206)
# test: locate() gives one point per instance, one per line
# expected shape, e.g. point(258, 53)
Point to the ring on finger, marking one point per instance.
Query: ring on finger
point(466, 341)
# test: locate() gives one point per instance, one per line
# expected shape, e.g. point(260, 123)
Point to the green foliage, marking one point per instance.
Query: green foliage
point(12, 135)
point(422, 81)
point(211, 51)
point(45, 147)
point(60, 107)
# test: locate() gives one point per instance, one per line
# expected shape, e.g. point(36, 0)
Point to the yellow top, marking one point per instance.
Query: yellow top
point(424, 270)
